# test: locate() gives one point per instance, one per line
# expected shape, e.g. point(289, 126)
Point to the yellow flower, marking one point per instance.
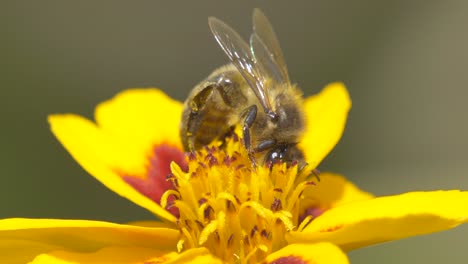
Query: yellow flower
point(216, 207)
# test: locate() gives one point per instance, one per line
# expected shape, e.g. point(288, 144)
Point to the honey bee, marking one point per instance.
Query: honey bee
point(253, 91)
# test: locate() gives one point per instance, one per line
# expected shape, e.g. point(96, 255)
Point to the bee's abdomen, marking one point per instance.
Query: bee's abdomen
point(213, 125)
point(213, 107)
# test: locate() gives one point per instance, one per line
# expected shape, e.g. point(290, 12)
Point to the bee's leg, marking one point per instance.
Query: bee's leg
point(250, 115)
point(315, 172)
point(266, 144)
point(196, 112)
point(263, 146)
point(196, 106)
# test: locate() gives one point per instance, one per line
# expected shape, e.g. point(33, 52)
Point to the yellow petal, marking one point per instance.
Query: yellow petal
point(326, 115)
point(141, 117)
point(21, 251)
point(32, 237)
point(373, 221)
point(129, 126)
point(150, 223)
point(309, 253)
point(193, 256)
point(109, 255)
point(331, 191)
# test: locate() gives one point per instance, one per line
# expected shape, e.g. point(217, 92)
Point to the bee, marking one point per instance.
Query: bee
point(253, 91)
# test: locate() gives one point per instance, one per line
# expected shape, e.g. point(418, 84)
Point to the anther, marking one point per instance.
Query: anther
point(276, 205)
point(187, 225)
point(278, 190)
point(216, 235)
point(235, 137)
point(170, 176)
point(202, 201)
point(227, 161)
point(200, 224)
point(240, 166)
point(191, 156)
point(213, 161)
point(207, 213)
point(237, 199)
point(230, 241)
point(253, 231)
point(246, 240)
point(208, 156)
point(292, 163)
point(230, 207)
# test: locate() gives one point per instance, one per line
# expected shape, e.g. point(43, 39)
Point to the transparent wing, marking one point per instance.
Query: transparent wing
point(264, 30)
point(241, 56)
point(265, 60)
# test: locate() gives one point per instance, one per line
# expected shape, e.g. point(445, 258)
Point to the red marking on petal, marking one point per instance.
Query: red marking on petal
point(332, 228)
point(156, 181)
point(312, 211)
point(288, 260)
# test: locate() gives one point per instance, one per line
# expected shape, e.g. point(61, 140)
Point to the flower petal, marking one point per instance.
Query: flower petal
point(308, 253)
point(331, 191)
point(194, 255)
point(373, 221)
point(151, 223)
point(120, 146)
point(326, 115)
point(109, 255)
point(21, 251)
point(32, 237)
point(140, 117)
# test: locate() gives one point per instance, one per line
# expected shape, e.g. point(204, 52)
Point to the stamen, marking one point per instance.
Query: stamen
point(208, 230)
point(238, 212)
point(276, 206)
point(297, 193)
point(230, 241)
point(165, 197)
point(305, 223)
point(254, 231)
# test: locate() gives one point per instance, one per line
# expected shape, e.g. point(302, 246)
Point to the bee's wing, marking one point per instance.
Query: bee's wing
point(265, 59)
point(242, 57)
point(266, 48)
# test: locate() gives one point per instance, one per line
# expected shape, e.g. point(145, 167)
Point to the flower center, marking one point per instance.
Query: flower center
point(239, 212)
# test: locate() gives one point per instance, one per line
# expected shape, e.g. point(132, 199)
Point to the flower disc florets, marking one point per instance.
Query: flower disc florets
point(241, 213)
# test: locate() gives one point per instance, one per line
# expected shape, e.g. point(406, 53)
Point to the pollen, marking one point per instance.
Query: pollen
point(241, 213)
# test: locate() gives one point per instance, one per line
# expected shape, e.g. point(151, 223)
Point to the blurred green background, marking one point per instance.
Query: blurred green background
point(405, 64)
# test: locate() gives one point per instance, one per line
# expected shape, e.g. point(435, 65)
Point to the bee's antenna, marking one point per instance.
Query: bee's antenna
point(272, 115)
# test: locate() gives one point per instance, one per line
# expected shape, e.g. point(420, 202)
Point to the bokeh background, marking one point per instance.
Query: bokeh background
point(405, 64)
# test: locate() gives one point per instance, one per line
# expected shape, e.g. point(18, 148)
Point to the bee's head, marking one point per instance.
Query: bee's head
point(285, 153)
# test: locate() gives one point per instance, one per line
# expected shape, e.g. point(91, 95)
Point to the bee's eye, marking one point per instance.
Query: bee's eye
point(285, 153)
point(275, 155)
